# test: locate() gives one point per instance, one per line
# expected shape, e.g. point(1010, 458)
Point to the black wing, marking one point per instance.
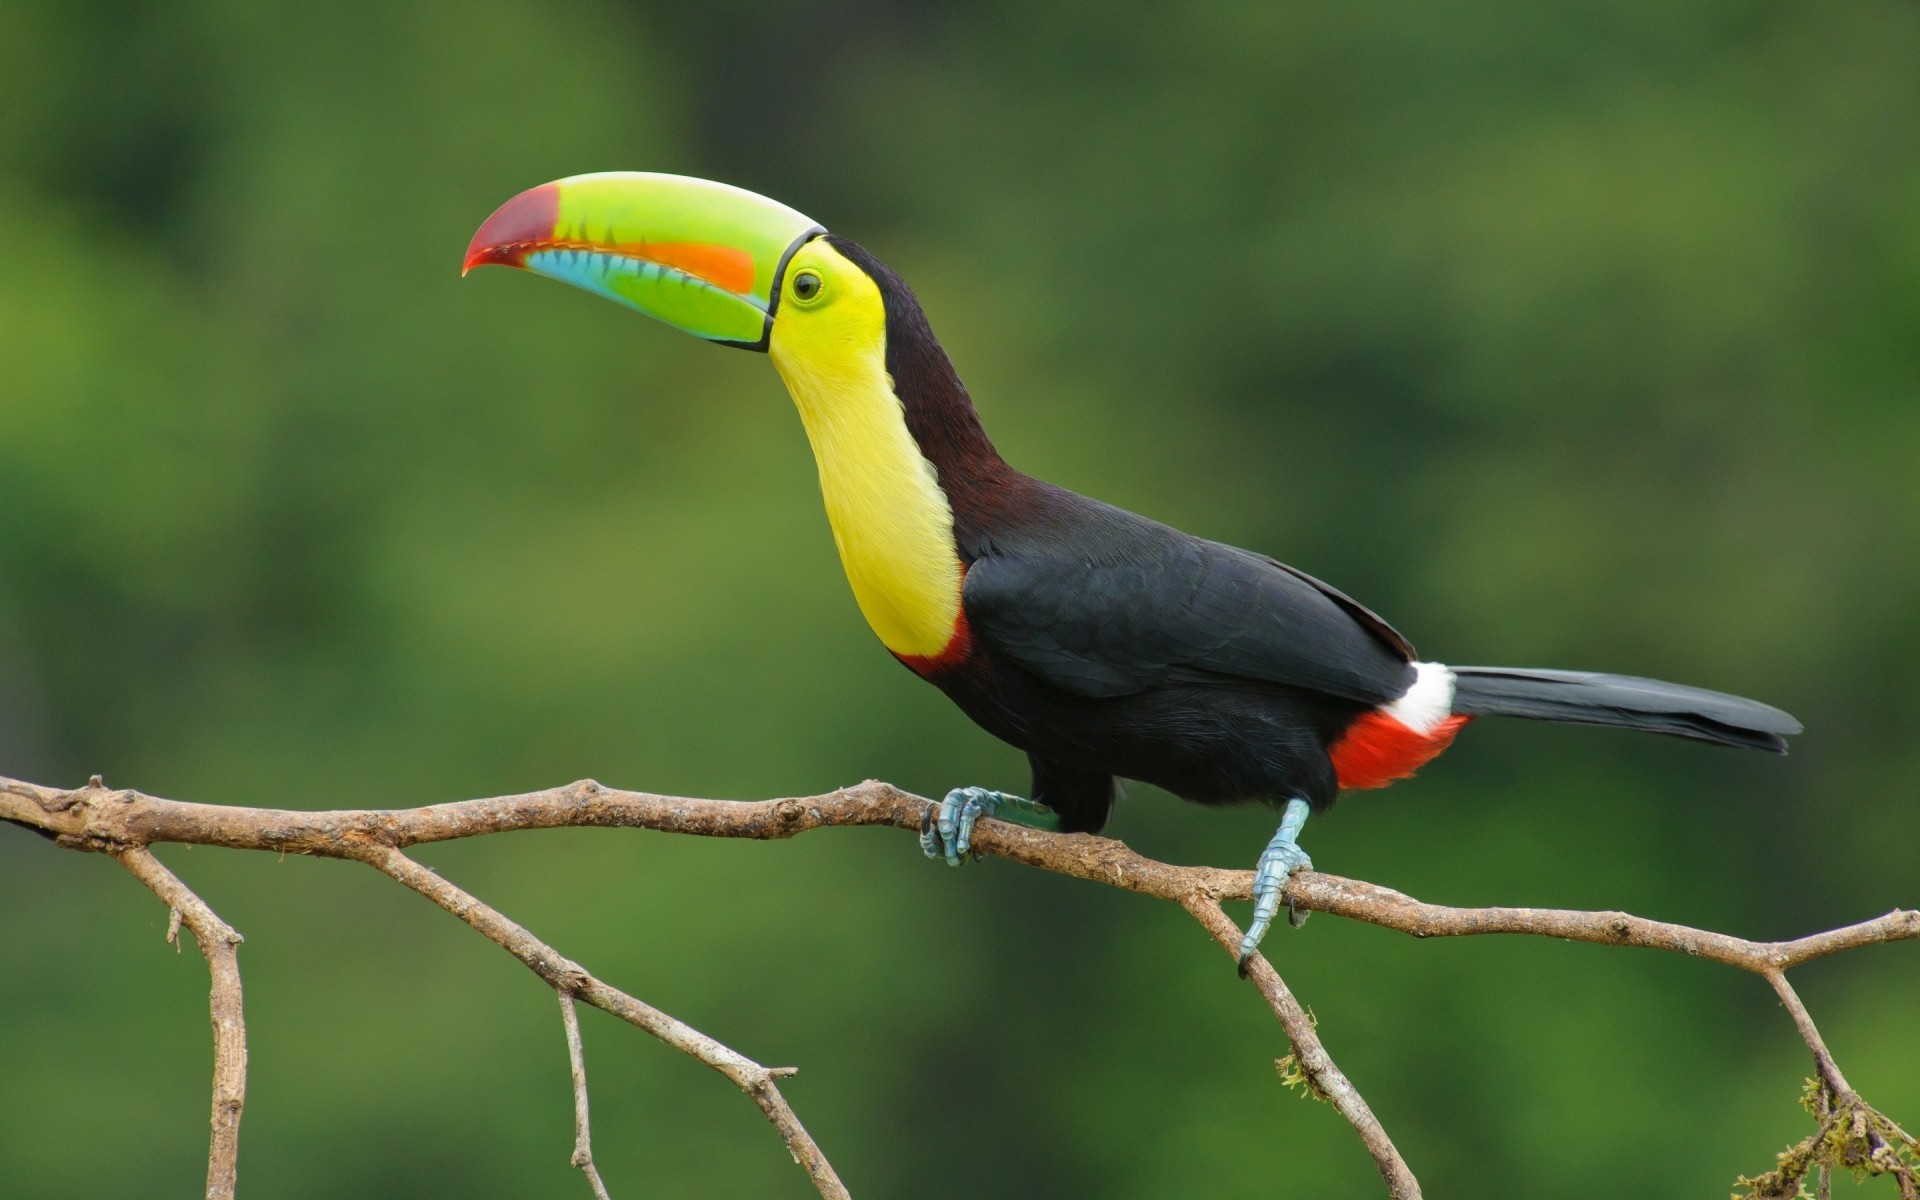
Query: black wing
point(1161, 606)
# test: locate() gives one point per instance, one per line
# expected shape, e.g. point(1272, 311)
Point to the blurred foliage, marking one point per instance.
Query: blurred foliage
point(1579, 335)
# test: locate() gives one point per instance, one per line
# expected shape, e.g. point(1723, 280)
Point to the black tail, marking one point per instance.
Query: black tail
point(1621, 701)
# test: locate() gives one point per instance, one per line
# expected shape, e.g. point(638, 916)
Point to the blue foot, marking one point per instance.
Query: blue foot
point(1282, 857)
point(947, 830)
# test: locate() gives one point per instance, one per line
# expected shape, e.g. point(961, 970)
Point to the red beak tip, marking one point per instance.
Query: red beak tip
point(527, 218)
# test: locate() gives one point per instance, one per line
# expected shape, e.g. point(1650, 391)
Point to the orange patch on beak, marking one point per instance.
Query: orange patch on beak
point(722, 266)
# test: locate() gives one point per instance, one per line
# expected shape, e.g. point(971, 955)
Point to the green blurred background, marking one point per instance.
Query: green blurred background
point(1579, 335)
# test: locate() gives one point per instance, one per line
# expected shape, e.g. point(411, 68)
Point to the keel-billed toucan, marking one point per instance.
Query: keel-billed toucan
point(1105, 645)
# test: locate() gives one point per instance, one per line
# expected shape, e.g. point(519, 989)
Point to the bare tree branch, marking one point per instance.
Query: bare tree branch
point(1810, 1034)
point(569, 978)
point(582, 1126)
point(1316, 1064)
point(95, 818)
point(104, 816)
point(217, 941)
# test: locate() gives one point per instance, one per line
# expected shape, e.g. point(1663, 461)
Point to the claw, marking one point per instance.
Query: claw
point(971, 810)
point(929, 842)
point(946, 829)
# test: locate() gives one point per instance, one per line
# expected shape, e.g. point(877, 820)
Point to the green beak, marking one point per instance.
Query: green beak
point(701, 256)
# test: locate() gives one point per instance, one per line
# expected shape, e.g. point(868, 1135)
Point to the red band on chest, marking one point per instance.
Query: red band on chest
point(958, 647)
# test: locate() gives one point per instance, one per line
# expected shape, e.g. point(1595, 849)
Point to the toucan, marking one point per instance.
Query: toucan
point(1106, 645)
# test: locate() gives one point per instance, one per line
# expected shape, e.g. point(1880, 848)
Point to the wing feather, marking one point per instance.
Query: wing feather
point(1169, 607)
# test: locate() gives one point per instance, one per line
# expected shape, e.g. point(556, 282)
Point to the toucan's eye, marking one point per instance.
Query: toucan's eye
point(806, 285)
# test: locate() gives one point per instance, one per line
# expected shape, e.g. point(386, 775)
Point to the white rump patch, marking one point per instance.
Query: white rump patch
point(1428, 702)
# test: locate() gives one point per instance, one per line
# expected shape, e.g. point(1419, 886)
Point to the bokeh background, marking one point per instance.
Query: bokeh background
point(1579, 335)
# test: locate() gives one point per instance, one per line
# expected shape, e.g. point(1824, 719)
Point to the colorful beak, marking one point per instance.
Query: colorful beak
point(701, 256)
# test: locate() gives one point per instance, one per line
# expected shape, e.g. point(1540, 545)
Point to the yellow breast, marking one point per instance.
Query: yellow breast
point(891, 521)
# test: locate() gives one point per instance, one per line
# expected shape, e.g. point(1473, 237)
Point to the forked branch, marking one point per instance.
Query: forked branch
point(572, 980)
point(218, 942)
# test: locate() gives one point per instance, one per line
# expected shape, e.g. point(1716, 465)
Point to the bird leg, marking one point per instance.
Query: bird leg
point(1282, 857)
point(947, 830)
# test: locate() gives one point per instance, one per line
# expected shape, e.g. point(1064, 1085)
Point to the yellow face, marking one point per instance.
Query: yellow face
point(890, 519)
point(829, 309)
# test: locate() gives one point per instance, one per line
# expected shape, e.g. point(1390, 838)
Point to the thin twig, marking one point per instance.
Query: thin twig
point(1810, 1034)
point(1322, 1074)
point(582, 1126)
point(568, 977)
point(217, 941)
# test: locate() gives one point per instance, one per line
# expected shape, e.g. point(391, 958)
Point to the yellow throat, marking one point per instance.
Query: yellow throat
point(891, 521)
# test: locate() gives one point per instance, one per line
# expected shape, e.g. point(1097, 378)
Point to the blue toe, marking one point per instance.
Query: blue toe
point(947, 831)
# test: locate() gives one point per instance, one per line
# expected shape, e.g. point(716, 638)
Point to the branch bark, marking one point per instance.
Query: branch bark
point(96, 817)
point(582, 1124)
point(124, 822)
point(217, 941)
point(1315, 1063)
